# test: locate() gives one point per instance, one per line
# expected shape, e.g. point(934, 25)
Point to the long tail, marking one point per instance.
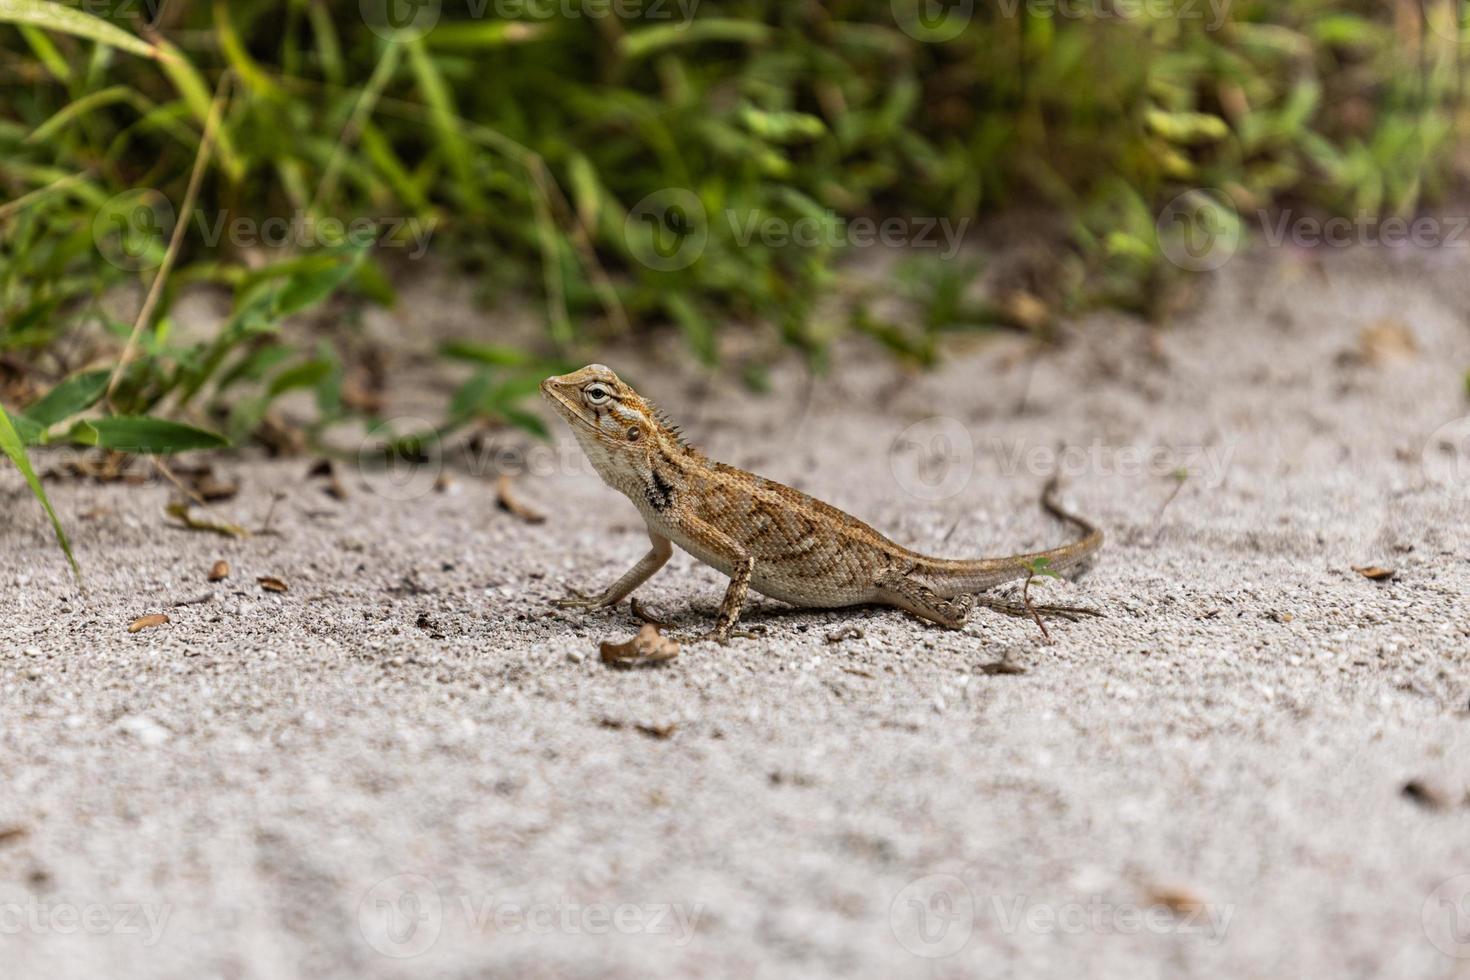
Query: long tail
point(951, 577)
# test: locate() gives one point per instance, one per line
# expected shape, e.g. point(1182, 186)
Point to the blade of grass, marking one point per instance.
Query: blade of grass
point(69, 20)
point(191, 194)
point(11, 445)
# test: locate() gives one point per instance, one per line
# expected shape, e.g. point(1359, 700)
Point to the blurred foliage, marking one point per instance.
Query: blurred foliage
point(526, 133)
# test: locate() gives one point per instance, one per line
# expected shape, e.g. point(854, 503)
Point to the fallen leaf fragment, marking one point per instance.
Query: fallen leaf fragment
point(1429, 797)
point(648, 647)
point(8, 834)
point(1374, 572)
point(1177, 900)
point(147, 622)
point(219, 571)
point(511, 505)
point(1000, 667)
point(652, 731)
point(272, 584)
point(201, 522)
point(846, 633)
point(1385, 340)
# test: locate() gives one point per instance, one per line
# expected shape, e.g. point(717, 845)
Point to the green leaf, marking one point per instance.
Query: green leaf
point(11, 445)
point(473, 35)
point(301, 376)
point(465, 350)
point(313, 284)
point(636, 44)
point(69, 20)
point(76, 394)
point(145, 434)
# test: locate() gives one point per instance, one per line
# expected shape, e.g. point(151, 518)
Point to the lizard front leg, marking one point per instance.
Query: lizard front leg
point(742, 566)
point(632, 578)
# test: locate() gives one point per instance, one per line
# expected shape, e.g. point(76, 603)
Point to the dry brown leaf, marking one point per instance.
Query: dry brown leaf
point(648, 647)
point(1026, 310)
point(509, 504)
point(1374, 572)
point(1385, 340)
point(202, 522)
point(1001, 667)
point(8, 834)
point(1427, 796)
point(219, 571)
point(211, 488)
point(643, 728)
point(147, 622)
point(272, 584)
point(335, 489)
point(1180, 901)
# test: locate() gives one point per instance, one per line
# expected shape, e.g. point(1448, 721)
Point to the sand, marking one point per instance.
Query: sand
point(409, 765)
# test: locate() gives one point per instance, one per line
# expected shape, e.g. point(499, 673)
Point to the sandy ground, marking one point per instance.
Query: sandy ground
point(408, 765)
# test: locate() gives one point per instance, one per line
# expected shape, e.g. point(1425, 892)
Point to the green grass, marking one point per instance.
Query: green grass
point(528, 145)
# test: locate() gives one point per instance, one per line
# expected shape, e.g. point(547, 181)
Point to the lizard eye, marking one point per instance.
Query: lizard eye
point(634, 433)
point(595, 394)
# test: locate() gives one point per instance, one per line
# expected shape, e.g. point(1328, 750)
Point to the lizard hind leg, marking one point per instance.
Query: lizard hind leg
point(911, 595)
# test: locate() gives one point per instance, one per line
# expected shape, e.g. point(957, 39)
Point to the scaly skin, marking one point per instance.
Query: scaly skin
point(763, 534)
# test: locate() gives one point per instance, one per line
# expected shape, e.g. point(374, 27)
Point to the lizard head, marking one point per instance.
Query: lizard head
point(619, 430)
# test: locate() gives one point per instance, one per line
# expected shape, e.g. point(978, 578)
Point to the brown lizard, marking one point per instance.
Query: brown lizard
point(763, 534)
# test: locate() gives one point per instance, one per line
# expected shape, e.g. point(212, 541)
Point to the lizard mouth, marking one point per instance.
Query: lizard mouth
point(553, 391)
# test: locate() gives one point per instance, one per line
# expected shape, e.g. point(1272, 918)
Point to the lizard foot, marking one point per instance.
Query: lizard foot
point(1070, 613)
point(576, 600)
